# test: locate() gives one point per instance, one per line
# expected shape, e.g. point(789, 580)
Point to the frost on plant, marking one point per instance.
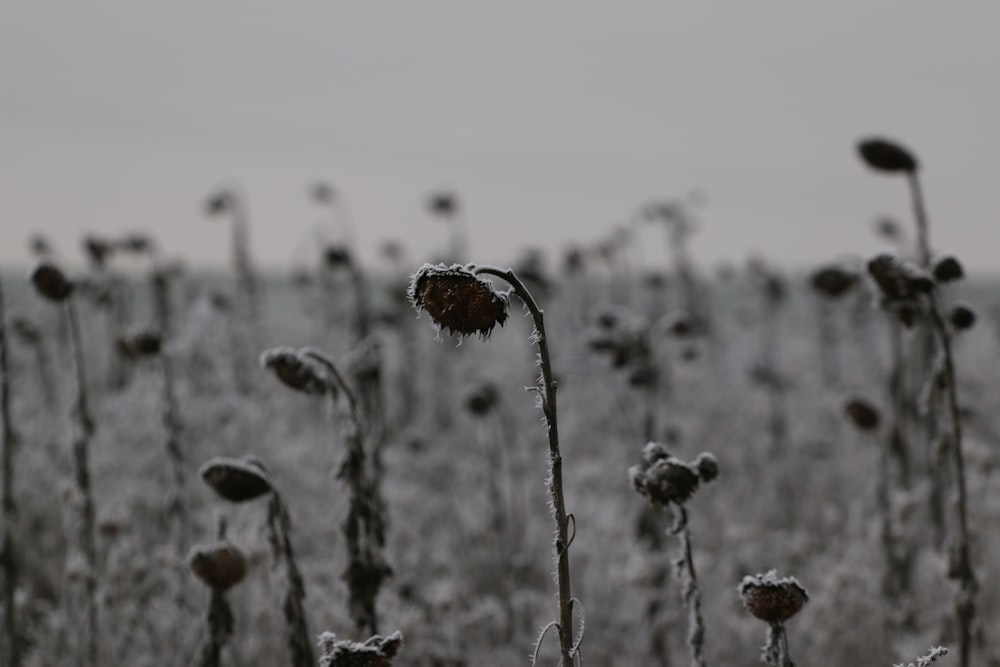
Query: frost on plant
point(933, 654)
point(771, 598)
point(294, 370)
point(663, 478)
point(378, 651)
point(458, 300)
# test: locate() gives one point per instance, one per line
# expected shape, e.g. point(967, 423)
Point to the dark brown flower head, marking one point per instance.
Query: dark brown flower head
point(962, 317)
point(220, 566)
point(294, 370)
point(898, 279)
point(51, 282)
point(140, 344)
point(862, 414)
point(218, 203)
point(888, 229)
point(947, 269)
point(135, 243)
point(323, 193)
point(663, 479)
point(482, 398)
point(377, 651)
point(26, 331)
point(458, 300)
point(337, 257)
point(236, 480)
point(39, 246)
point(833, 281)
point(772, 599)
point(97, 250)
point(707, 466)
point(443, 204)
point(888, 156)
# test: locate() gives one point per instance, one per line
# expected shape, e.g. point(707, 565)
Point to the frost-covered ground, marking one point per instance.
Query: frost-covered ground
point(472, 581)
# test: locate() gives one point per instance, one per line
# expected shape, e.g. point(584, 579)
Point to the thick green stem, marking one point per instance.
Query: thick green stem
point(547, 392)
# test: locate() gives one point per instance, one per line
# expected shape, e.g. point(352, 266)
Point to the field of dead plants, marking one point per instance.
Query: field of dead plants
point(217, 469)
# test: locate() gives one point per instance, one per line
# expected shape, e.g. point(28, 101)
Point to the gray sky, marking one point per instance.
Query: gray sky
point(553, 120)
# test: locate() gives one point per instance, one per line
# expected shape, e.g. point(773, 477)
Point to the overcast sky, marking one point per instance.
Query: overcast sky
point(552, 120)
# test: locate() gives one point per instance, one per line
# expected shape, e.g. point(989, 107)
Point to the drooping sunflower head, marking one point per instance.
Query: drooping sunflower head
point(458, 300)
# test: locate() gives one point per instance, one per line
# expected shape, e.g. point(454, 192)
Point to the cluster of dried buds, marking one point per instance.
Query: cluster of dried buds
point(664, 479)
point(902, 283)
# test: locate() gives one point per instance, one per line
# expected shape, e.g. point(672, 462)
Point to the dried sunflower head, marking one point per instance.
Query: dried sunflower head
point(888, 156)
point(458, 300)
point(51, 282)
point(236, 480)
point(221, 565)
point(294, 371)
point(771, 598)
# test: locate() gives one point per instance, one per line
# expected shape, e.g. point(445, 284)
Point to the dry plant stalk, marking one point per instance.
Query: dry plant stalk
point(459, 300)
point(376, 651)
point(312, 372)
point(667, 482)
point(773, 600)
point(242, 480)
point(10, 647)
point(52, 284)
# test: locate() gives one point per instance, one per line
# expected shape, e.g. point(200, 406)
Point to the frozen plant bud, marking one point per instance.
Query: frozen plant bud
point(377, 651)
point(458, 300)
point(663, 479)
point(772, 599)
point(482, 398)
point(220, 566)
point(218, 204)
point(443, 204)
point(862, 414)
point(888, 156)
point(962, 317)
point(708, 467)
point(337, 256)
point(899, 279)
point(51, 282)
point(236, 480)
point(294, 371)
point(140, 344)
point(947, 269)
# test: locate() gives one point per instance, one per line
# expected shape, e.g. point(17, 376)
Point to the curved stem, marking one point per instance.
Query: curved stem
point(547, 392)
point(965, 604)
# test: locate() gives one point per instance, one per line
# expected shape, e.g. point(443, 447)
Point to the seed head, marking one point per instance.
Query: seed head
point(862, 414)
point(377, 651)
point(51, 282)
point(443, 204)
point(947, 269)
point(962, 317)
point(888, 156)
point(140, 344)
point(833, 281)
point(898, 279)
point(337, 256)
point(708, 467)
point(221, 565)
point(294, 370)
point(772, 599)
point(482, 398)
point(663, 479)
point(458, 300)
point(218, 203)
point(236, 480)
